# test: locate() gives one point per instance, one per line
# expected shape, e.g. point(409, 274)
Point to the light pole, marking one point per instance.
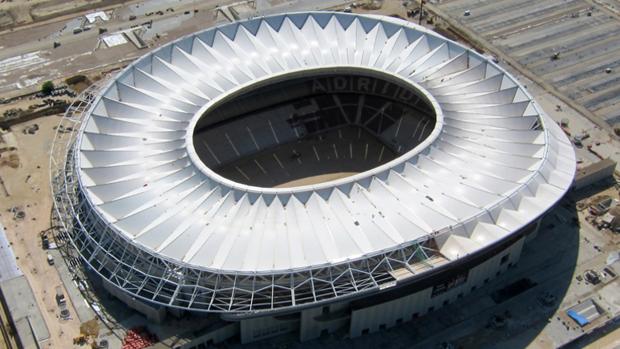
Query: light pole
point(421, 12)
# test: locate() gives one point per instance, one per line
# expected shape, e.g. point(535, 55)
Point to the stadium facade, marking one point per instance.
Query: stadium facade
point(308, 172)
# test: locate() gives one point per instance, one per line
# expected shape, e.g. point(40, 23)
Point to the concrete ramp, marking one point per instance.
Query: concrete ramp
point(135, 39)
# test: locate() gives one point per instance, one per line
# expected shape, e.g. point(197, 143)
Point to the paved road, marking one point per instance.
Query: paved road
point(27, 56)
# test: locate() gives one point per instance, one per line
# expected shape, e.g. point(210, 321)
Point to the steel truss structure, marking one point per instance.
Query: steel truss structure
point(492, 100)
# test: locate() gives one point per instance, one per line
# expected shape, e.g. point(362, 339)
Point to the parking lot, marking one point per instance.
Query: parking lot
point(570, 44)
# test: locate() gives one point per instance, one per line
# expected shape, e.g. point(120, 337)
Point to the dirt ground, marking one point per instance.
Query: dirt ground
point(28, 188)
point(315, 179)
point(29, 11)
point(26, 102)
point(388, 8)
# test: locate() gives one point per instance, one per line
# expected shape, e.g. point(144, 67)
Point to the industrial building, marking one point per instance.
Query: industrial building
point(307, 172)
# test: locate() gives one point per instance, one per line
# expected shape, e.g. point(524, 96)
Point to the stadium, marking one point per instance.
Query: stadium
point(307, 172)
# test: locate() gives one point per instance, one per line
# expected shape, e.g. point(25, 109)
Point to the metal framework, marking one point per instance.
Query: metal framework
point(478, 99)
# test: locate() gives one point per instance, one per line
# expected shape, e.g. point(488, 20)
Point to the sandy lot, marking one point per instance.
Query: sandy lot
point(28, 187)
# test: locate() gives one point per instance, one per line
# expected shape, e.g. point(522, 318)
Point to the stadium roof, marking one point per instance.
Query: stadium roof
point(494, 162)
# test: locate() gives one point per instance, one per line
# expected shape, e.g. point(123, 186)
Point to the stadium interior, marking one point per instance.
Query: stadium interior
point(310, 129)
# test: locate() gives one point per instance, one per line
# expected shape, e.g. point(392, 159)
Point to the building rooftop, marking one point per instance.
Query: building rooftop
point(8, 265)
point(19, 299)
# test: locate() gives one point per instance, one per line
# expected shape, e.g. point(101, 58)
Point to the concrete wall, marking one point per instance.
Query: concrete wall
point(266, 327)
point(323, 320)
point(213, 337)
point(591, 174)
point(391, 313)
point(154, 313)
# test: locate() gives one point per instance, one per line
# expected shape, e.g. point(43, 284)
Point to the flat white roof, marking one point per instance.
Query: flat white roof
point(114, 40)
point(92, 17)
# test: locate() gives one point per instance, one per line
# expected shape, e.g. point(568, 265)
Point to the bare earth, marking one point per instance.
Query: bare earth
point(32, 194)
point(315, 179)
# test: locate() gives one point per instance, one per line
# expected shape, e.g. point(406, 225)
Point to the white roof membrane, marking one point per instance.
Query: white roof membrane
point(495, 163)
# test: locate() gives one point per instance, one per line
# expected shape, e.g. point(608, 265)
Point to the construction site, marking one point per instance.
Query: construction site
point(564, 53)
